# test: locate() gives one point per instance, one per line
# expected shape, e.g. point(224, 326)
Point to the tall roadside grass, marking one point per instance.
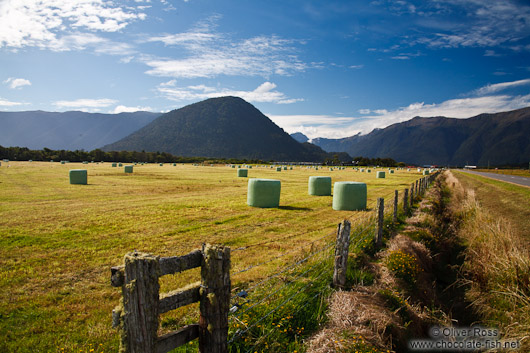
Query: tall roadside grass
point(496, 267)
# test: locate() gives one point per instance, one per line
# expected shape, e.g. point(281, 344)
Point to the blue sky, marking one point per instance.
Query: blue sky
point(325, 68)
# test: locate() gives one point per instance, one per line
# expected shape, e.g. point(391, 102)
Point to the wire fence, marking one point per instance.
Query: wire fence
point(253, 304)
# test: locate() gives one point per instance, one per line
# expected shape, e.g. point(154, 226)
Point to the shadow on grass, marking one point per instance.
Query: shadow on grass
point(292, 208)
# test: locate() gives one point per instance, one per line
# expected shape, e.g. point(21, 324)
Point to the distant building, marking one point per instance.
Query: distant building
point(470, 167)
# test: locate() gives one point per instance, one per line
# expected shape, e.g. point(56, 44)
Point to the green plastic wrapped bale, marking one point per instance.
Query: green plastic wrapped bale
point(233, 166)
point(114, 165)
point(284, 168)
point(63, 162)
point(161, 164)
point(78, 176)
point(120, 165)
point(369, 171)
point(381, 175)
point(319, 186)
point(392, 171)
point(128, 169)
point(264, 193)
point(349, 196)
point(174, 164)
point(243, 173)
point(426, 172)
point(249, 167)
point(362, 170)
point(279, 169)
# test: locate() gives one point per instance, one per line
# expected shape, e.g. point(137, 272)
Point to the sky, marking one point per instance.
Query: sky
point(324, 68)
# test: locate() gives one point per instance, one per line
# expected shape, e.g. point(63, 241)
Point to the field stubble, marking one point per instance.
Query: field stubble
point(58, 241)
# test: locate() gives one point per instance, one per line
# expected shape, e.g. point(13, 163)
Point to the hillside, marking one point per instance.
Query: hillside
point(298, 136)
point(497, 139)
point(69, 130)
point(226, 127)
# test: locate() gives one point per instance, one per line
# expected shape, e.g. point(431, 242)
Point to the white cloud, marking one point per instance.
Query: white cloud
point(337, 127)
point(85, 104)
point(356, 67)
point(263, 93)
point(211, 54)
point(6, 103)
point(124, 109)
point(15, 83)
point(45, 23)
point(501, 86)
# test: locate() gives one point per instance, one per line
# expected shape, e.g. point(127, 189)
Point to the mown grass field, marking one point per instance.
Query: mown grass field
point(58, 241)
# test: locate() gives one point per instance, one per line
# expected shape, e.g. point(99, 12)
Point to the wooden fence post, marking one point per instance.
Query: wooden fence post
point(215, 299)
point(380, 217)
point(416, 187)
point(140, 303)
point(411, 196)
point(341, 254)
point(406, 201)
point(395, 206)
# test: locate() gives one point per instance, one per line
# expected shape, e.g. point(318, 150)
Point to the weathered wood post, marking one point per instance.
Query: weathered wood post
point(140, 303)
point(380, 217)
point(395, 206)
point(341, 254)
point(411, 196)
point(215, 299)
point(416, 187)
point(406, 202)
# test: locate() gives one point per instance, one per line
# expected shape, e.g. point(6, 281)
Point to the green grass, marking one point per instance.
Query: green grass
point(58, 241)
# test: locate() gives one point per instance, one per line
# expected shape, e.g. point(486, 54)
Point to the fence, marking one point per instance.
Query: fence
point(221, 307)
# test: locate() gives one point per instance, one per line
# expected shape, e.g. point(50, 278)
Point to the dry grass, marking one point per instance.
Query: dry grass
point(497, 266)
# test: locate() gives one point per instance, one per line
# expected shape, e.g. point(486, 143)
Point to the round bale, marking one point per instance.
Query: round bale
point(319, 186)
point(114, 165)
point(242, 173)
point(264, 193)
point(128, 169)
point(349, 196)
point(78, 176)
point(426, 172)
point(381, 175)
point(278, 169)
point(391, 171)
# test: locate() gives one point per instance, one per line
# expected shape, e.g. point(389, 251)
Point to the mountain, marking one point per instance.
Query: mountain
point(69, 130)
point(226, 127)
point(298, 136)
point(497, 139)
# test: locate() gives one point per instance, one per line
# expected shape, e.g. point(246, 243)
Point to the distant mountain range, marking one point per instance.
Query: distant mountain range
point(229, 127)
point(226, 127)
point(497, 139)
point(69, 130)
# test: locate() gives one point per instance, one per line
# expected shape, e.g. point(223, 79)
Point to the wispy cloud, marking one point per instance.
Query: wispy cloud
point(6, 103)
point(494, 88)
point(15, 83)
point(47, 24)
point(266, 92)
point(85, 104)
point(481, 101)
point(211, 54)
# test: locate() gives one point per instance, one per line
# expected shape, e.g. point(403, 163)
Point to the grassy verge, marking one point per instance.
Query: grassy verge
point(497, 262)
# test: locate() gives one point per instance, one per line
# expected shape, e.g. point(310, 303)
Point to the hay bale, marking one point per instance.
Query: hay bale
point(249, 167)
point(362, 170)
point(120, 165)
point(128, 169)
point(319, 186)
point(114, 165)
point(264, 193)
point(63, 162)
point(161, 164)
point(243, 173)
point(85, 162)
point(78, 176)
point(392, 171)
point(426, 172)
point(174, 164)
point(278, 169)
point(284, 168)
point(349, 196)
point(381, 175)
point(369, 171)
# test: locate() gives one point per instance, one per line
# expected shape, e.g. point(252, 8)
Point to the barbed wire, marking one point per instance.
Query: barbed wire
point(282, 255)
point(238, 335)
point(279, 288)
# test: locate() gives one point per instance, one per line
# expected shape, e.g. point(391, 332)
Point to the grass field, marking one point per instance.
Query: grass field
point(519, 172)
point(58, 241)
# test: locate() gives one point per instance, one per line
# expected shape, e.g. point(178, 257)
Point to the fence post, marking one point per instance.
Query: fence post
point(140, 303)
point(215, 299)
point(417, 188)
point(395, 206)
point(341, 254)
point(380, 217)
point(412, 196)
point(406, 201)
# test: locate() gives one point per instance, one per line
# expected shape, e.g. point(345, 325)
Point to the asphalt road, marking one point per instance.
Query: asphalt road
point(502, 177)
